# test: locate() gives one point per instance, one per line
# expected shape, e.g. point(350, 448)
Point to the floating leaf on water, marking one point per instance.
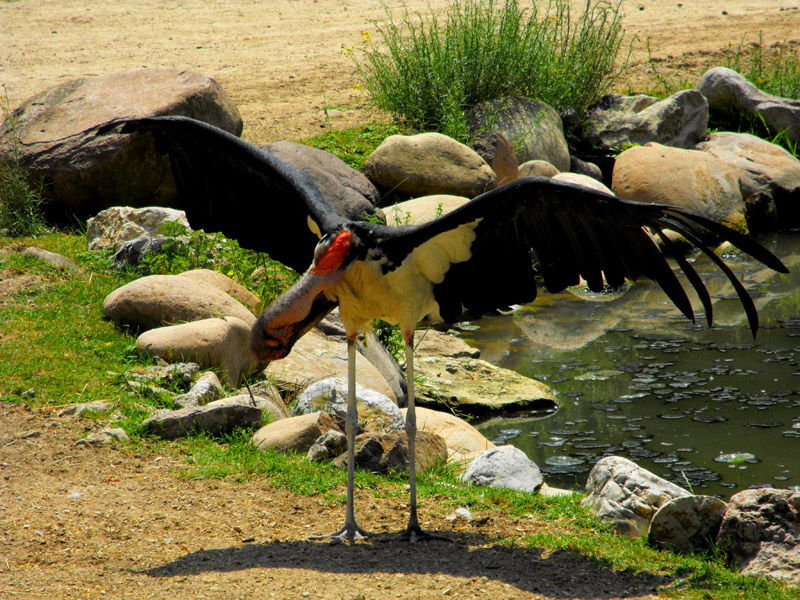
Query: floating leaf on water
point(709, 418)
point(735, 458)
point(564, 461)
point(602, 375)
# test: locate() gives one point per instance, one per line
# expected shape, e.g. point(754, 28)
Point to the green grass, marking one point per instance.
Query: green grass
point(354, 145)
point(428, 70)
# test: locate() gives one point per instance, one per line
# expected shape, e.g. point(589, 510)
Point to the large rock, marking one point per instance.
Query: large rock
point(761, 533)
point(464, 442)
point(422, 209)
point(428, 163)
point(534, 128)
point(620, 491)
point(226, 284)
point(680, 120)
point(216, 418)
point(769, 178)
point(60, 262)
point(206, 389)
point(385, 452)
point(272, 409)
point(159, 300)
point(83, 173)
point(314, 357)
point(688, 524)
point(296, 434)
point(376, 412)
point(729, 92)
point(504, 467)
point(346, 190)
point(690, 179)
point(112, 227)
point(435, 343)
point(475, 386)
point(221, 344)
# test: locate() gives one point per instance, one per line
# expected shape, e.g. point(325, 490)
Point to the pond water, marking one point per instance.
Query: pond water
point(707, 408)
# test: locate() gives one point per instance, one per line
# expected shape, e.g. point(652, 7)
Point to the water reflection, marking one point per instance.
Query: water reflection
point(636, 379)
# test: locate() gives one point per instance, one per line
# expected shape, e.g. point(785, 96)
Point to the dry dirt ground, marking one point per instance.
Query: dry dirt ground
point(77, 522)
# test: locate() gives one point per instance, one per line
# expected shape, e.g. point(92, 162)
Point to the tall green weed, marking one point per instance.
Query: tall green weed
point(428, 70)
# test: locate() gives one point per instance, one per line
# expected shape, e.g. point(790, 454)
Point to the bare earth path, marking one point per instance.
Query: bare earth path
point(92, 523)
point(281, 60)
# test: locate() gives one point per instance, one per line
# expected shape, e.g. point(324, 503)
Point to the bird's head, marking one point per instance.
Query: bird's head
point(305, 304)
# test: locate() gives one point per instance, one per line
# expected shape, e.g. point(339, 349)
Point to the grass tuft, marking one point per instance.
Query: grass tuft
point(429, 70)
point(20, 204)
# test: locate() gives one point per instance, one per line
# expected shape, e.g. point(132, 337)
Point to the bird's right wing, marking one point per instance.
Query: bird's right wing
point(228, 185)
point(561, 232)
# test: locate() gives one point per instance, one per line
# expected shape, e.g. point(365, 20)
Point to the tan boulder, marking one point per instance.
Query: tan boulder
point(689, 179)
point(537, 168)
point(583, 180)
point(422, 209)
point(464, 442)
point(315, 357)
point(429, 163)
point(159, 300)
point(220, 344)
point(296, 434)
point(227, 285)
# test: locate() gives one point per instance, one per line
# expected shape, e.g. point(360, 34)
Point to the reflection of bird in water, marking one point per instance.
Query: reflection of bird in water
point(482, 256)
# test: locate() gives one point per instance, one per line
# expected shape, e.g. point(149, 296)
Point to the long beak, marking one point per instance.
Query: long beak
point(289, 318)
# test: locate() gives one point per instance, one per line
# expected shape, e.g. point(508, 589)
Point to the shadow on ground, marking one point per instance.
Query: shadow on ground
point(559, 574)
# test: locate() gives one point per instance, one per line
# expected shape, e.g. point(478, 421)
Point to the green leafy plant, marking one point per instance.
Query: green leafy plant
point(200, 250)
point(429, 70)
point(20, 204)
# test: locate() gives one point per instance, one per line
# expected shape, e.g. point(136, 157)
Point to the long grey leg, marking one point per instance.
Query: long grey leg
point(413, 532)
point(350, 531)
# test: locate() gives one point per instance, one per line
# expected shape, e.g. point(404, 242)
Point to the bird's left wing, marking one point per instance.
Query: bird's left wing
point(538, 226)
point(228, 185)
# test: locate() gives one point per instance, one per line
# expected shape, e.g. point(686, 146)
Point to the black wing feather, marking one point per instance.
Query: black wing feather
point(572, 231)
point(228, 185)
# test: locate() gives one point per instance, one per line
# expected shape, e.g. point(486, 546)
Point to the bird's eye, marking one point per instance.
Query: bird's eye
point(322, 246)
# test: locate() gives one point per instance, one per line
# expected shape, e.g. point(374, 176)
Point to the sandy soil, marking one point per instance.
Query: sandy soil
point(282, 62)
point(89, 523)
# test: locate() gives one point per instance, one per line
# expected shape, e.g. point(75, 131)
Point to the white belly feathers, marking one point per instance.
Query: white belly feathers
point(404, 296)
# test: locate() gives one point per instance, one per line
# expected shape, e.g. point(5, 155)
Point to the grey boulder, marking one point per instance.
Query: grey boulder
point(504, 467)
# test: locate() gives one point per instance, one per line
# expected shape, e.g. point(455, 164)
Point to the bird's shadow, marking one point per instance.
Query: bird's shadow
point(559, 574)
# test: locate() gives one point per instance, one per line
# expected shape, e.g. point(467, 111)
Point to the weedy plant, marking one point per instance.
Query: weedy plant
point(186, 250)
point(20, 204)
point(429, 70)
point(775, 70)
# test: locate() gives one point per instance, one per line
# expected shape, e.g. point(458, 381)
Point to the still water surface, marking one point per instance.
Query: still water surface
point(634, 378)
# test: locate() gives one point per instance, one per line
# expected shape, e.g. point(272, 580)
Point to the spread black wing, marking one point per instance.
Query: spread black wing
point(560, 231)
point(228, 185)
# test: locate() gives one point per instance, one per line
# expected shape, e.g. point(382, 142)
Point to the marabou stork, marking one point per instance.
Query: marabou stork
point(482, 256)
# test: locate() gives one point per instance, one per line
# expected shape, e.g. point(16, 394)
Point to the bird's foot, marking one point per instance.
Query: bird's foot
point(413, 534)
point(348, 533)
